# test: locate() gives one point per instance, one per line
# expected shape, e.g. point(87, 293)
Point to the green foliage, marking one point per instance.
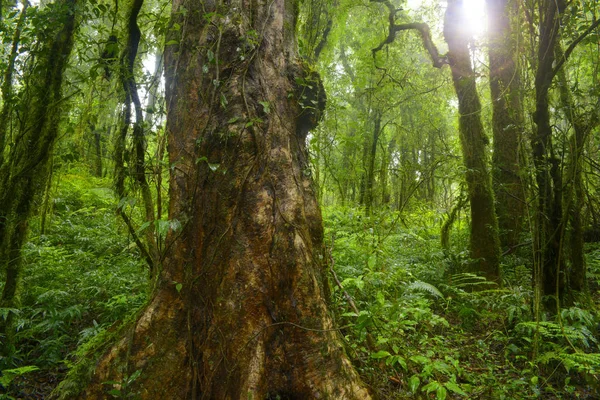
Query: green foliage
point(123, 387)
point(81, 276)
point(425, 328)
point(9, 374)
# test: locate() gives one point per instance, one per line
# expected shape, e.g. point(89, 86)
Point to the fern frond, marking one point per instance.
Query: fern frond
point(580, 362)
point(467, 279)
point(552, 331)
point(424, 287)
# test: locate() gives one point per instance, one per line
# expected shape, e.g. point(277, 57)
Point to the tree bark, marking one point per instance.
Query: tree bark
point(484, 241)
point(507, 121)
point(239, 310)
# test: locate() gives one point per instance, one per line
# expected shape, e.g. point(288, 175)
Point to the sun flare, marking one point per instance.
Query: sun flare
point(475, 16)
point(474, 13)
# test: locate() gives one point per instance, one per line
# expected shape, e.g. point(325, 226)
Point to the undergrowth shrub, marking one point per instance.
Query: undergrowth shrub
point(425, 328)
point(80, 277)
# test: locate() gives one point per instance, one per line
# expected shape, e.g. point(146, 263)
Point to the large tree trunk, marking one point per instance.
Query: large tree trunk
point(507, 122)
point(240, 307)
point(484, 241)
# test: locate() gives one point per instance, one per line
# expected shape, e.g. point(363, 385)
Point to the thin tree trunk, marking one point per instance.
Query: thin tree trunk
point(484, 240)
point(449, 221)
point(574, 196)
point(98, 151)
point(507, 121)
point(548, 257)
point(239, 310)
point(7, 82)
point(372, 155)
point(386, 167)
point(149, 248)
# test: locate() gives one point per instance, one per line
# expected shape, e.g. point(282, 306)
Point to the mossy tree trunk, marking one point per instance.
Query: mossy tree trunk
point(239, 310)
point(574, 197)
point(507, 121)
point(7, 83)
point(24, 172)
point(484, 240)
point(549, 277)
point(98, 152)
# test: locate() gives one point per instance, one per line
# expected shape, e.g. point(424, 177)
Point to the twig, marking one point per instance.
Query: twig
point(514, 247)
point(337, 281)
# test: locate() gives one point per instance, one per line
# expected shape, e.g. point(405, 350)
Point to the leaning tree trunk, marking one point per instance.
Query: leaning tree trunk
point(507, 122)
point(484, 240)
point(239, 310)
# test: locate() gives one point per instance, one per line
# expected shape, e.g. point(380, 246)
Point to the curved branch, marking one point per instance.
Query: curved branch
point(572, 46)
point(438, 59)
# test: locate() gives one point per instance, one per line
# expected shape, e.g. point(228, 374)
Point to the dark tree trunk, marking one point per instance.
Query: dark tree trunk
point(372, 155)
point(484, 241)
point(239, 310)
point(97, 138)
point(507, 121)
point(548, 258)
point(127, 76)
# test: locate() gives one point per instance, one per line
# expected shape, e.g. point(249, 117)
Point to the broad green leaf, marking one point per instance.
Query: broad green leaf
point(372, 260)
point(454, 388)
point(420, 359)
point(266, 106)
point(380, 354)
point(380, 298)
point(441, 393)
point(431, 386)
point(414, 383)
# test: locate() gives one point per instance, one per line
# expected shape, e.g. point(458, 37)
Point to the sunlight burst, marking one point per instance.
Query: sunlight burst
point(475, 15)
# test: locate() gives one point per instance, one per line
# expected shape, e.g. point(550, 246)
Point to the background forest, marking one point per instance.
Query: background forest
point(456, 164)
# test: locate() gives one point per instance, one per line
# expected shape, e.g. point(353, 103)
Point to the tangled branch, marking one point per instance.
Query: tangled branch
point(438, 59)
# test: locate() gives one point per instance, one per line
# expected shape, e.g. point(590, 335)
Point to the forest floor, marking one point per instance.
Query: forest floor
point(425, 330)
